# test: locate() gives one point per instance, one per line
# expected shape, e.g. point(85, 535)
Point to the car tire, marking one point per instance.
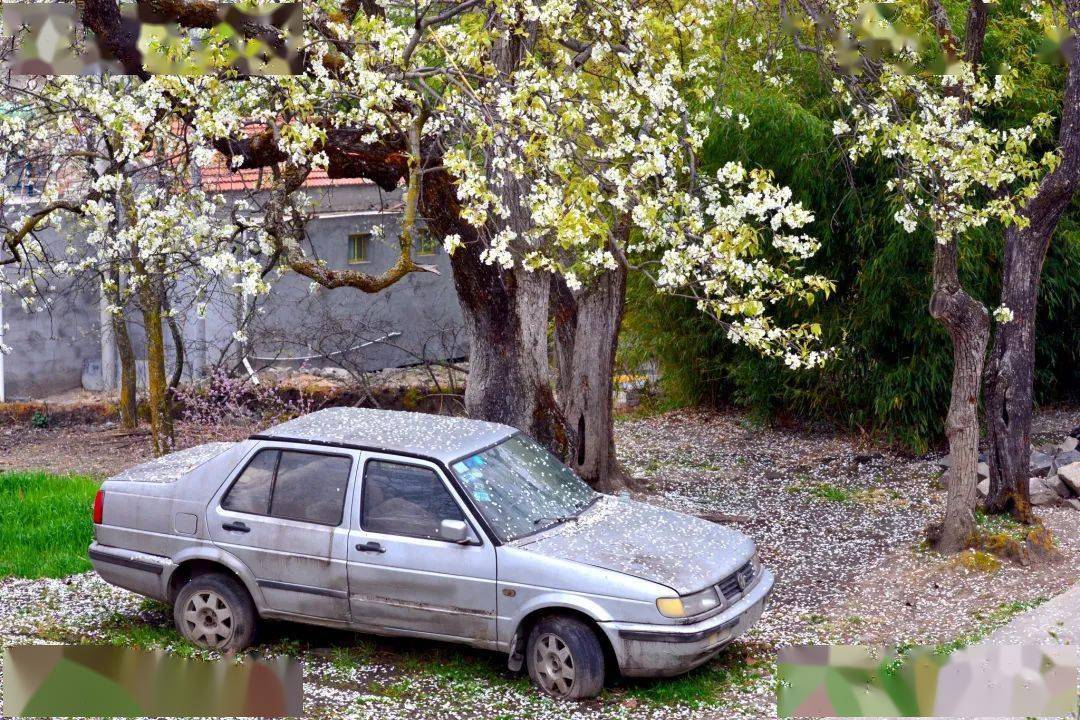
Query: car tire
point(215, 611)
point(565, 658)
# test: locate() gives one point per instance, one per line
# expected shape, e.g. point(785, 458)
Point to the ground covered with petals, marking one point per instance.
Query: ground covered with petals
point(840, 522)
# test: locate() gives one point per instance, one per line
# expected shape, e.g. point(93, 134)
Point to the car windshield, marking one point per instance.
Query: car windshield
point(520, 488)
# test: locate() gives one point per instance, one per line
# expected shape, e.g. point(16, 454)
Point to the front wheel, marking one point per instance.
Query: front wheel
point(565, 658)
point(215, 611)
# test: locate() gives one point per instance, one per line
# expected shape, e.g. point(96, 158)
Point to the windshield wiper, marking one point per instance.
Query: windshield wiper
point(555, 520)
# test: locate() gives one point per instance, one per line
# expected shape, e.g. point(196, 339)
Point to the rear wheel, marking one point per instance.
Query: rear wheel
point(215, 611)
point(565, 658)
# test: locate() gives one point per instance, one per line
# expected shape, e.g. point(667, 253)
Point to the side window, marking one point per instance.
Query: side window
point(251, 491)
point(405, 500)
point(311, 487)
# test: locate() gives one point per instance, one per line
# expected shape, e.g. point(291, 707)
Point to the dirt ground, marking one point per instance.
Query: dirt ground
point(839, 521)
point(99, 450)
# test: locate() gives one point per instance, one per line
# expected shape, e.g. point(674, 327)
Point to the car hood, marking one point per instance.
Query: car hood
point(680, 551)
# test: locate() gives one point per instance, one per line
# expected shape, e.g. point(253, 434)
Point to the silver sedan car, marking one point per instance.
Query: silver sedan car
point(427, 526)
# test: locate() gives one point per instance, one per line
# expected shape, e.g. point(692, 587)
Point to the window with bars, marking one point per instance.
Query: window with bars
point(428, 245)
point(359, 248)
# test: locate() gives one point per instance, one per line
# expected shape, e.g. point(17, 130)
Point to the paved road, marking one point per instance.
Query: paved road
point(1055, 621)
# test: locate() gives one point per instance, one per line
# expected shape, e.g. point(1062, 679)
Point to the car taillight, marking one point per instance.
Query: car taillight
point(99, 506)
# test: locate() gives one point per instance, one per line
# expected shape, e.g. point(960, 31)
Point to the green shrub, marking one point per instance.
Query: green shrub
point(893, 375)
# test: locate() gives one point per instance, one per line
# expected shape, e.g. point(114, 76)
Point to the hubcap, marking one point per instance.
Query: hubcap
point(208, 619)
point(554, 665)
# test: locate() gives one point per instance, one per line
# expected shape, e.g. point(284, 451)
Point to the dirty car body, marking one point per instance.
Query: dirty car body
point(416, 525)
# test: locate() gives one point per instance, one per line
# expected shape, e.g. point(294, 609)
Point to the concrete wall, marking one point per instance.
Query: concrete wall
point(49, 344)
point(415, 319)
point(418, 318)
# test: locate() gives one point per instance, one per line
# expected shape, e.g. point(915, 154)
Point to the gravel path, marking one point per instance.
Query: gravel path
point(839, 521)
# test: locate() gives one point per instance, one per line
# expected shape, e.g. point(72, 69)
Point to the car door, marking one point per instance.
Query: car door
point(283, 515)
point(402, 575)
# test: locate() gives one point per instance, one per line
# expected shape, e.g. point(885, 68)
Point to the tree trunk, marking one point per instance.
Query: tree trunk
point(161, 424)
point(968, 325)
point(1010, 371)
point(129, 408)
point(587, 326)
point(129, 376)
point(1009, 378)
point(506, 316)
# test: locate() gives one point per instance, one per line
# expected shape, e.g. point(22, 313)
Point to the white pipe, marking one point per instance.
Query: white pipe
point(251, 372)
point(108, 344)
point(336, 352)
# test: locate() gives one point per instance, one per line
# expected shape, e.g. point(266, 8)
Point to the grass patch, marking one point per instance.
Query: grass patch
point(738, 666)
point(828, 491)
point(45, 524)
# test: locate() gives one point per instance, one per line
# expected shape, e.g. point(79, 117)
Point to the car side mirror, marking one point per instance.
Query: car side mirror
point(454, 531)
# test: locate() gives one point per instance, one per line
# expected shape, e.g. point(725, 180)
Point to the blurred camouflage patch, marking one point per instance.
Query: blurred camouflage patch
point(980, 681)
point(86, 680)
point(242, 38)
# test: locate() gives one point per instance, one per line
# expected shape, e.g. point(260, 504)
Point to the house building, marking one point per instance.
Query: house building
point(61, 347)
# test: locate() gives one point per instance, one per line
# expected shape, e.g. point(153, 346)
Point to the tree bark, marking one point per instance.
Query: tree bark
point(161, 424)
point(129, 408)
point(506, 316)
point(587, 324)
point(1010, 369)
point(968, 325)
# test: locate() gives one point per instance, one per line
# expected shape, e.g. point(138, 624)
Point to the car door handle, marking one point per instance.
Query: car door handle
point(370, 547)
point(236, 527)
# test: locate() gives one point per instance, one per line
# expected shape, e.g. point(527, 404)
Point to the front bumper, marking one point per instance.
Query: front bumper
point(651, 650)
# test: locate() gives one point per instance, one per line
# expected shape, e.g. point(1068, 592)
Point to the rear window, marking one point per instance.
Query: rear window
point(251, 491)
point(311, 487)
point(292, 485)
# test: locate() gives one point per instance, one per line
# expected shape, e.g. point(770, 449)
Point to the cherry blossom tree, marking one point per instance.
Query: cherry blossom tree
point(542, 142)
point(927, 108)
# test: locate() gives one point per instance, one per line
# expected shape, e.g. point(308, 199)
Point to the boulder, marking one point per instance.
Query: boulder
point(1075, 432)
point(983, 487)
point(945, 461)
point(1068, 444)
point(1073, 503)
point(1056, 484)
point(1041, 494)
point(1070, 475)
point(984, 470)
point(1039, 464)
point(1067, 457)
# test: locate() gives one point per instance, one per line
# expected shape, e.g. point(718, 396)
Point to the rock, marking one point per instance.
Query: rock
point(868, 457)
point(1070, 475)
point(1041, 494)
point(1057, 485)
point(1073, 503)
point(1067, 457)
point(983, 470)
point(1068, 444)
point(983, 487)
point(1075, 432)
point(1039, 464)
point(945, 461)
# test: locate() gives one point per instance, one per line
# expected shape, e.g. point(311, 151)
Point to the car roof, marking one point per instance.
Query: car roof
point(441, 437)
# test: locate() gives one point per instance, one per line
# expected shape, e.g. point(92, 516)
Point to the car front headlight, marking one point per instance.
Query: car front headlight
point(688, 605)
